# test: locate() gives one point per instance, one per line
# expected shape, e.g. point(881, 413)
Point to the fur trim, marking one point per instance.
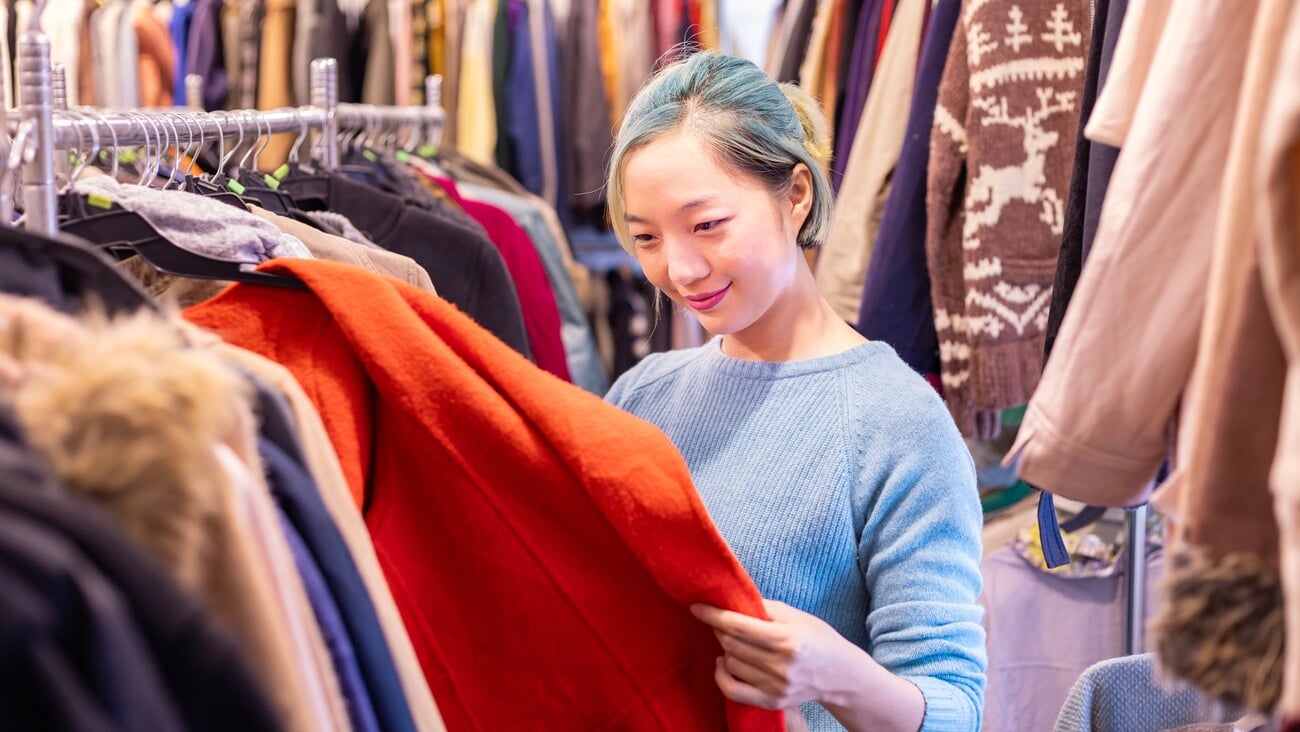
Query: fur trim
point(127, 415)
point(1222, 627)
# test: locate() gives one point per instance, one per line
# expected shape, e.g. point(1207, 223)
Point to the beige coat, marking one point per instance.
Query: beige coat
point(1099, 425)
point(1224, 516)
point(1277, 179)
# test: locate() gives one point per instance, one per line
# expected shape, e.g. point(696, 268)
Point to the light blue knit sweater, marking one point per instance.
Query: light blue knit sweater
point(845, 490)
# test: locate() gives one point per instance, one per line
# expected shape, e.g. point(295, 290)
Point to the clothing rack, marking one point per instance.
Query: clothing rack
point(46, 125)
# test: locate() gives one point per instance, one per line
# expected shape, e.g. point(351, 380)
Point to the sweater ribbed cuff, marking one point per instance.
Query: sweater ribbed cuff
point(946, 708)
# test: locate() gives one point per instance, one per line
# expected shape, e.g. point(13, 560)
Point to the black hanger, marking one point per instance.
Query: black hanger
point(117, 229)
point(65, 274)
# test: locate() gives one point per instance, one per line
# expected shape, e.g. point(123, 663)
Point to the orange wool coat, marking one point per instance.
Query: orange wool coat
point(543, 546)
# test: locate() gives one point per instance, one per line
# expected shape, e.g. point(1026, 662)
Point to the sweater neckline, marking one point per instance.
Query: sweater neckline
point(786, 369)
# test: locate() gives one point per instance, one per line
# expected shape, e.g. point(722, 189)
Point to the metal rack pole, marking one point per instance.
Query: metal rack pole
point(325, 97)
point(1136, 518)
point(39, 193)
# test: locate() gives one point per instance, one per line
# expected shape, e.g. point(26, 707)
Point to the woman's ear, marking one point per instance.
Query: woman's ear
point(801, 195)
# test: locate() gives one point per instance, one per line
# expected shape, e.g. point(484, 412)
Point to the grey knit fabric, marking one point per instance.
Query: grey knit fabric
point(201, 225)
point(340, 225)
point(1126, 695)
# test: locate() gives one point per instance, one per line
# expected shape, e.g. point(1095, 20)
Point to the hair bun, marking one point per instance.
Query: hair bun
point(816, 133)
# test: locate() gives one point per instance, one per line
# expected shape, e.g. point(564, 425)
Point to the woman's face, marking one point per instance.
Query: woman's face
point(716, 242)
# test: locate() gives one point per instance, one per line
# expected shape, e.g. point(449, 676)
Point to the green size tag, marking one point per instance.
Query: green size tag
point(427, 151)
point(369, 155)
point(236, 186)
point(271, 182)
point(99, 200)
point(281, 172)
point(403, 156)
point(127, 156)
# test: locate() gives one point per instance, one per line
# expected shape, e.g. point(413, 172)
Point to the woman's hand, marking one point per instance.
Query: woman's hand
point(796, 658)
point(793, 659)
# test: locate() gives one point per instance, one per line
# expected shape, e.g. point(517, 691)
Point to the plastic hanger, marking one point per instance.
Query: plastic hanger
point(99, 220)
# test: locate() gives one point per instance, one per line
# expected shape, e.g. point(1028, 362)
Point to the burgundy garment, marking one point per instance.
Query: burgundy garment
point(861, 72)
point(541, 314)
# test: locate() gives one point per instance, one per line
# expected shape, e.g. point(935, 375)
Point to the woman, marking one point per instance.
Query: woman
point(832, 470)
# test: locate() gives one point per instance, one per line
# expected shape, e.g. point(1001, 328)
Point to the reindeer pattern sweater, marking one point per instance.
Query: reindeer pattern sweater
point(1002, 147)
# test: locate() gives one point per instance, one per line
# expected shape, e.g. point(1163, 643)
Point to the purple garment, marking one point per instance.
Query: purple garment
point(896, 305)
point(205, 54)
point(862, 68)
point(360, 711)
point(1044, 631)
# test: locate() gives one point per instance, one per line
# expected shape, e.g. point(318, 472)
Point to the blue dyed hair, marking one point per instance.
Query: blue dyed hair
point(753, 125)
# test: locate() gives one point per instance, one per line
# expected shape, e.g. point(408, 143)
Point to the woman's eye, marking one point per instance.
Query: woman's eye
point(709, 225)
point(640, 239)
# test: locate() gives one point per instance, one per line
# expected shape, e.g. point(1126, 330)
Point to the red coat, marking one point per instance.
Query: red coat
point(542, 545)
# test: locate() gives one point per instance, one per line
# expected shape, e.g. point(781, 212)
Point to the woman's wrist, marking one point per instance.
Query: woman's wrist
point(865, 695)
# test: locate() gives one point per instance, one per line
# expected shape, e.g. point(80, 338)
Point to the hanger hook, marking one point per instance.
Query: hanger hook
point(227, 155)
point(300, 139)
point(243, 161)
point(266, 142)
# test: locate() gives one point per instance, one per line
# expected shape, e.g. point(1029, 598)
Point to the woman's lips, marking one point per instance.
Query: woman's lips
point(707, 301)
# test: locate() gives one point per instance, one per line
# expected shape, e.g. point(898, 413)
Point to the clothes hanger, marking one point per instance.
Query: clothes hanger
point(103, 222)
point(257, 186)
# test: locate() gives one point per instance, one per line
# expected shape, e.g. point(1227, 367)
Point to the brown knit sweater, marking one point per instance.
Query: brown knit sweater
point(1002, 147)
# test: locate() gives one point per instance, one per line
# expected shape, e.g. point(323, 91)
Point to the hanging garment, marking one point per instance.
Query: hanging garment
point(1000, 159)
point(179, 28)
point(814, 64)
point(842, 265)
point(275, 74)
point(156, 65)
point(399, 33)
point(336, 249)
point(579, 347)
point(1277, 186)
point(860, 74)
point(61, 23)
point(1124, 694)
point(1093, 164)
point(542, 41)
point(793, 36)
point(298, 496)
point(207, 52)
point(475, 109)
point(837, 50)
point(198, 224)
point(204, 673)
point(73, 658)
point(541, 315)
point(379, 61)
point(1073, 440)
point(249, 45)
point(584, 108)
point(466, 268)
point(323, 463)
point(1135, 53)
point(165, 481)
point(519, 145)
point(1032, 662)
point(896, 304)
point(1228, 535)
point(570, 660)
point(419, 50)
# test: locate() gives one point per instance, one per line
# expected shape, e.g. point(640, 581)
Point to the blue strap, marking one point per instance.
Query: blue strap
point(1049, 533)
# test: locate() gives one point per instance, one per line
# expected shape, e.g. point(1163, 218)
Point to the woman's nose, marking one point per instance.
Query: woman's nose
point(686, 265)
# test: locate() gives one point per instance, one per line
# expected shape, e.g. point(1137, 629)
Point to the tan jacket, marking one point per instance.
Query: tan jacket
point(275, 75)
point(842, 264)
point(1277, 179)
point(1099, 425)
point(338, 249)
